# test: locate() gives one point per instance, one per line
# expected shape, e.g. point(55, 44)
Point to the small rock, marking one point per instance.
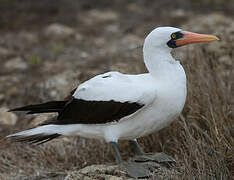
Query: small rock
point(6, 117)
point(103, 15)
point(4, 52)
point(78, 37)
point(58, 31)
point(16, 64)
point(97, 16)
point(98, 172)
point(84, 55)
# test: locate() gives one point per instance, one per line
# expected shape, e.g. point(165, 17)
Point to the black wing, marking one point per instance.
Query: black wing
point(78, 111)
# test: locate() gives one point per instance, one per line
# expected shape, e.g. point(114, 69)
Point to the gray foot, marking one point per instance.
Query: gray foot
point(157, 157)
point(135, 169)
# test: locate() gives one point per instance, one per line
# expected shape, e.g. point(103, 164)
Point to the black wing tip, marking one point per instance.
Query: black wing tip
point(11, 110)
point(47, 107)
point(33, 139)
point(19, 109)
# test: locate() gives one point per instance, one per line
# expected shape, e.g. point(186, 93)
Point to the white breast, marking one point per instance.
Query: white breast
point(170, 100)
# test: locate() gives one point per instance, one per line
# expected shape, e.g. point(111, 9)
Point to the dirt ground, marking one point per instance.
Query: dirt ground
point(48, 47)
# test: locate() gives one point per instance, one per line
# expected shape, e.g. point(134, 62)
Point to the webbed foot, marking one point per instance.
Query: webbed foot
point(135, 170)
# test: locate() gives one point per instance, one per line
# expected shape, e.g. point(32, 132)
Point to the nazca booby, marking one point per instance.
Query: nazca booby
point(113, 106)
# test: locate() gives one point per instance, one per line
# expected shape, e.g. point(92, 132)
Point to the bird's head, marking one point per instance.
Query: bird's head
point(170, 37)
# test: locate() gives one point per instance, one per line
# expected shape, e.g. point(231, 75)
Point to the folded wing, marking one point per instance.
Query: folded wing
point(103, 99)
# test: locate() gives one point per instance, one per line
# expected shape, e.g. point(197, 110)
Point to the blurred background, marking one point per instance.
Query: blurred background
point(48, 47)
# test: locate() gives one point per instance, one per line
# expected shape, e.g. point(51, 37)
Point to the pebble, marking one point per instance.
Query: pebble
point(103, 15)
point(97, 16)
point(16, 64)
point(58, 31)
point(4, 52)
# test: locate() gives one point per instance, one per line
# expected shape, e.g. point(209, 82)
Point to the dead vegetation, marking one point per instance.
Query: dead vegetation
point(201, 140)
point(204, 134)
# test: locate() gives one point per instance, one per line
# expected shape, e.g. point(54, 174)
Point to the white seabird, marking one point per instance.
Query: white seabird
point(115, 106)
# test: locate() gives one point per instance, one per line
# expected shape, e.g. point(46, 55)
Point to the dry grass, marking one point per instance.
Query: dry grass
point(202, 139)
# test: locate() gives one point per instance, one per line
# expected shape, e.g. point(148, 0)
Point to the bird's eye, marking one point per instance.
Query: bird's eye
point(173, 36)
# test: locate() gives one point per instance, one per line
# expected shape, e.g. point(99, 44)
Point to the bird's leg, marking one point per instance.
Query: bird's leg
point(133, 169)
point(144, 157)
point(136, 147)
point(116, 152)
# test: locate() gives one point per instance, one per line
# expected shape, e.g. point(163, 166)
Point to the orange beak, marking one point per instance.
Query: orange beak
point(190, 38)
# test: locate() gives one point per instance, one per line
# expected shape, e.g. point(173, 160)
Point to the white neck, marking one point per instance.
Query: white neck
point(158, 60)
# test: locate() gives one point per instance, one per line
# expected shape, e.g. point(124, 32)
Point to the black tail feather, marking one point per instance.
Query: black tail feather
point(48, 107)
point(35, 139)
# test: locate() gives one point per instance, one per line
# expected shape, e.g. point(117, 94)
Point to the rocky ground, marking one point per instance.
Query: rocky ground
point(46, 50)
